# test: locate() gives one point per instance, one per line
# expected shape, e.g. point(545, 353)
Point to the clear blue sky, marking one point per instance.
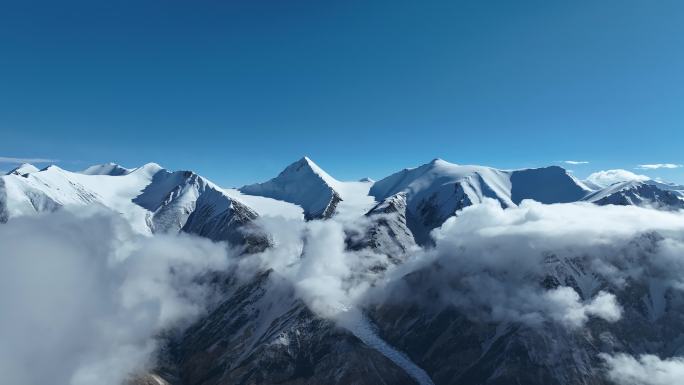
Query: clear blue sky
point(236, 90)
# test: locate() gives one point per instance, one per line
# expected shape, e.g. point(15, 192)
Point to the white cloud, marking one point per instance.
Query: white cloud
point(575, 162)
point(83, 297)
point(658, 166)
point(314, 258)
point(608, 177)
point(566, 307)
point(490, 262)
point(11, 160)
point(624, 369)
point(95, 294)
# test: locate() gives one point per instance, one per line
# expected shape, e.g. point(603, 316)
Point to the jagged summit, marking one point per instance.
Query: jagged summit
point(637, 193)
point(258, 331)
point(111, 169)
point(436, 190)
point(150, 198)
point(23, 169)
point(305, 184)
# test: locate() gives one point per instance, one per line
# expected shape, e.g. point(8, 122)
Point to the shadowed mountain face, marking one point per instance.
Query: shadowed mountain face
point(637, 194)
point(417, 320)
point(546, 185)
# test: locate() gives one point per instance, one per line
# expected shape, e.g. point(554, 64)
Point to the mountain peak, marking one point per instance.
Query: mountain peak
point(148, 168)
point(303, 183)
point(111, 169)
point(23, 169)
point(637, 193)
point(52, 167)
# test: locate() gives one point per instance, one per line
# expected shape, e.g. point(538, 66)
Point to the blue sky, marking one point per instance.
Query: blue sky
point(236, 90)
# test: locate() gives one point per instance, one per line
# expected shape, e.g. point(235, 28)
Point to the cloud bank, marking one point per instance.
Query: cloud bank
point(513, 265)
point(647, 369)
point(84, 297)
point(87, 296)
point(313, 256)
point(608, 177)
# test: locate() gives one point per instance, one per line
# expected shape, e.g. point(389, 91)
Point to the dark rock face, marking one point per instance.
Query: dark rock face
point(389, 232)
point(233, 224)
point(458, 347)
point(329, 209)
point(430, 212)
point(252, 338)
point(184, 201)
point(454, 349)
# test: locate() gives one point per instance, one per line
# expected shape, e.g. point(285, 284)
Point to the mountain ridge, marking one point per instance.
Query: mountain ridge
point(261, 332)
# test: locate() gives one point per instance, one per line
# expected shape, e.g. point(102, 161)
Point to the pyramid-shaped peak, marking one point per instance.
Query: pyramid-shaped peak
point(303, 183)
point(305, 166)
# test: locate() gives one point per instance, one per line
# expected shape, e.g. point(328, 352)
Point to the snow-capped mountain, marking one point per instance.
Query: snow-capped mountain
point(23, 169)
point(262, 332)
point(112, 169)
point(673, 187)
point(302, 183)
point(637, 194)
point(436, 190)
point(151, 198)
point(305, 184)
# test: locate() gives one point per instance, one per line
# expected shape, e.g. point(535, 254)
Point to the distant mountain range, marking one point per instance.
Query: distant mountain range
point(155, 199)
point(254, 337)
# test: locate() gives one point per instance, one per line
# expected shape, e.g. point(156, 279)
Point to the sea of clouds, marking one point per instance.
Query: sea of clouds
point(85, 298)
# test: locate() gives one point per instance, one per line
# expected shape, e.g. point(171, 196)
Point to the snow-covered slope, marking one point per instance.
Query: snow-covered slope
point(23, 169)
point(260, 332)
point(302, 183)
point(637, 194)
point(438, 176)
point(268, 207)
point(436, 190)
point(305, 184)
point(112, 169)
point(151, 198)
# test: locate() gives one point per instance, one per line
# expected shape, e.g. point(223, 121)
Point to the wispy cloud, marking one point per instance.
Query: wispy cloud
point(656, 166)
point(6, 159)
point(576, 161)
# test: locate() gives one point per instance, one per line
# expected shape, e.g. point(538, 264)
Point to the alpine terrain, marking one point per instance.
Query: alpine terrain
point(437, 274)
